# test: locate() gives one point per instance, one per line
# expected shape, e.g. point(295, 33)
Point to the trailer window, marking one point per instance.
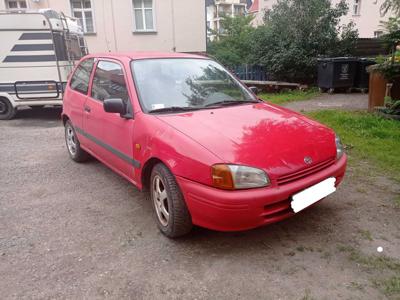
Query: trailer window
point(81, 77)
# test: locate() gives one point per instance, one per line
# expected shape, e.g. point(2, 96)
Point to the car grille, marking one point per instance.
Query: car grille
point(276, 211)
point(305, 172)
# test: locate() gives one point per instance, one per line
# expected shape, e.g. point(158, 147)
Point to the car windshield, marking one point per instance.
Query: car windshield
point(186, 84)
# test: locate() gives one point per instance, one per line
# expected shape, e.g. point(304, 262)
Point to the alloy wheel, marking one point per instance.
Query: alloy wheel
point(71, 140)
point(160, 200)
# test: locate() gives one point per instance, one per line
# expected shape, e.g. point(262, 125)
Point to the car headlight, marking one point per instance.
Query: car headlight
point(231, 177)
point(339, 147)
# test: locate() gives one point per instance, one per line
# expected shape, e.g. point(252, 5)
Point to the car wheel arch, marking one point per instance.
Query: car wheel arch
point(64, 119)
point(146, 171)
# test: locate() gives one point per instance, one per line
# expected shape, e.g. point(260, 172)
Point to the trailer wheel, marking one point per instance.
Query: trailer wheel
point(7, 111)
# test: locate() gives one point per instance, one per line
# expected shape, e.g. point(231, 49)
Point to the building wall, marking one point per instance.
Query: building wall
point(180, 25)
point(368, 21)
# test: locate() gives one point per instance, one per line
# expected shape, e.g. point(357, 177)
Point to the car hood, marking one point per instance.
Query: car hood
point(259, 135)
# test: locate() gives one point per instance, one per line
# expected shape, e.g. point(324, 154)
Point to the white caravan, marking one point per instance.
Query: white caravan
point(38, 50)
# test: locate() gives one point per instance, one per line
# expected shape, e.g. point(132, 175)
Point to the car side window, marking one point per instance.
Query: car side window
point(81, 77)
point(109, 82)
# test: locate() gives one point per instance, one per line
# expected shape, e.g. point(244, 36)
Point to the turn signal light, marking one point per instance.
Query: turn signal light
point(222, 177)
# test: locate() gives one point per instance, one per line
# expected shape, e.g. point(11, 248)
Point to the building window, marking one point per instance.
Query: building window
point(83, 11)
point(143, 12)
point(356, 7)
point(378, 33)
point(12, 4)
point(238, 10)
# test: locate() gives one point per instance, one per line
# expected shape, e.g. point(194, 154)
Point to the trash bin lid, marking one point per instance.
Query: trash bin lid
point(338, 59)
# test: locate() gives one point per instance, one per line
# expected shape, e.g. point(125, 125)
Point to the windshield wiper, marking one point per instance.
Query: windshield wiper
point(173, 109)
point(230, 102)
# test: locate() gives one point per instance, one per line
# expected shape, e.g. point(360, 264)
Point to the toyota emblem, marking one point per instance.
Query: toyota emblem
point(308, 160)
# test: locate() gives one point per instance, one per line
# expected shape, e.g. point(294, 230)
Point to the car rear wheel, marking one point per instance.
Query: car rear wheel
point(7, 111)
point(172, 215)
point(73, 146)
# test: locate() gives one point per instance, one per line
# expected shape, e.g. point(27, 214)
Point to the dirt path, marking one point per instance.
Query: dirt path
point(354, 101)
point(78, 231)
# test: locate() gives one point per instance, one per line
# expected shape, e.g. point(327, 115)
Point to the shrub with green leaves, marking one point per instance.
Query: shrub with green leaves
point(296, 33)
point(232, 47)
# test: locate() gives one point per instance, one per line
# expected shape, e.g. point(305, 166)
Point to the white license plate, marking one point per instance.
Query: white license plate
point(313, 194)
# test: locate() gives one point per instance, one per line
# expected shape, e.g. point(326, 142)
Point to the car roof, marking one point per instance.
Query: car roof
point(146, 55)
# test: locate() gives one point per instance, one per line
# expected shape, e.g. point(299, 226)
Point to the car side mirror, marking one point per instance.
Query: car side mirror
point(254, 89)
point(115, 105)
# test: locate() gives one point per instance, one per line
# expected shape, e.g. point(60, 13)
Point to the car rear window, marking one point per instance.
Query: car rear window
point(81, 77)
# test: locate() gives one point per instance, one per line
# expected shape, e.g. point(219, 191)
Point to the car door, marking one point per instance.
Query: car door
point(75, 96)
point(110, 133)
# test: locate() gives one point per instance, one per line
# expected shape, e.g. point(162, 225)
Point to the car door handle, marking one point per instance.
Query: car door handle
point(86, 108)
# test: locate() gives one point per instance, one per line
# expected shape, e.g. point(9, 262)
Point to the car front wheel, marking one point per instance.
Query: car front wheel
point(172, 215)
point(73, 146)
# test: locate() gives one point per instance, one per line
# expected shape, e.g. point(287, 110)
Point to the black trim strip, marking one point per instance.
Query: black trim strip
point(29, 58)
point(36, 36)
point(32, 47)
point(33, 88)
point(114, 151)
point(23, 29)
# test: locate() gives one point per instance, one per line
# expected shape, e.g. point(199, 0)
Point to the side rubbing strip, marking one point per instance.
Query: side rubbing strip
point(33, 47)
point(36, 36)
point(114, 151)
point(29, 58)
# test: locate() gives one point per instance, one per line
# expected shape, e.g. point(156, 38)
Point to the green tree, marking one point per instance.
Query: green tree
point(296, 32)
point(390, 5)
point(232, 44)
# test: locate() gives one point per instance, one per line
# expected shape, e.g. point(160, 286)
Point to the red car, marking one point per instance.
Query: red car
point(208, 151)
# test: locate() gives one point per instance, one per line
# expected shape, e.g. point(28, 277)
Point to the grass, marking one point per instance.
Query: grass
point(397, 201)
point(366, 234)
point(380, 262)
point(289, 96)
point(369, 137)
point(389, 286)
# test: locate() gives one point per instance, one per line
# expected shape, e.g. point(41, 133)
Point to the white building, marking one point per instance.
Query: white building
point(132, 25)
point(222, 8)
point(364, 13)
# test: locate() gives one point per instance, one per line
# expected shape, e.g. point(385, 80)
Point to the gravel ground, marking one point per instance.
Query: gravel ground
point(354, 101)
point(75, 231)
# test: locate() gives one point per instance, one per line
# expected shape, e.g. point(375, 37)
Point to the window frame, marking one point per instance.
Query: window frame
point(82, 10)
point(378, 34)
point(18, 5)
point(90, 76)
point(145, 30)
point(94, 74)
point(357, 3)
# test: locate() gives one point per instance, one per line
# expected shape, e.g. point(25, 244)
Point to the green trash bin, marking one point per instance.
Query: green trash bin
point(336, 73)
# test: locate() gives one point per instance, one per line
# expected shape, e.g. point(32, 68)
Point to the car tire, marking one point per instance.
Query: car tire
point(172, 216)
point(7, 111)
point(73, 146)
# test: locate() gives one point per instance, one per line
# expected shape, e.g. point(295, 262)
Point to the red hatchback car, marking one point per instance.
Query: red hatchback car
point(208, 151)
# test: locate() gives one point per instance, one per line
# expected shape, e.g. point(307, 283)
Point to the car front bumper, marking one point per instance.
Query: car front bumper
point(245, 209)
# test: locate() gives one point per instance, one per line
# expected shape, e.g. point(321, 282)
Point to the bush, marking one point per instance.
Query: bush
point(232, 47)
point(296, 33)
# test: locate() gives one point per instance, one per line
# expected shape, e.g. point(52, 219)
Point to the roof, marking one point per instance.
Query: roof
point(254, 7)
point(146, 55)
